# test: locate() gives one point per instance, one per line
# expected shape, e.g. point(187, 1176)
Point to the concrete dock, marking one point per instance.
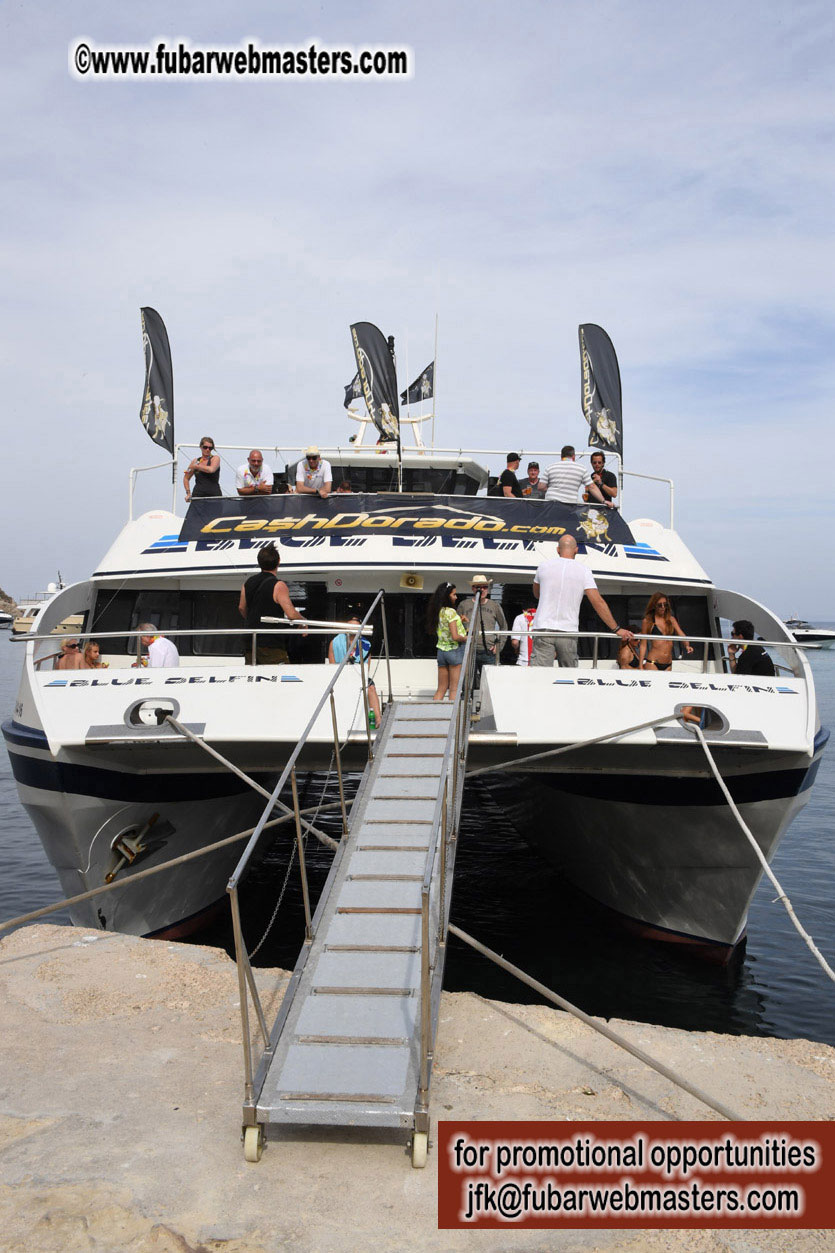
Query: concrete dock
point(120, 1111)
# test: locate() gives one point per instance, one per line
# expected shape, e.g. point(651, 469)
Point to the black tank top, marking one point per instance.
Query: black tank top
point(258, 590)
point(206, 483)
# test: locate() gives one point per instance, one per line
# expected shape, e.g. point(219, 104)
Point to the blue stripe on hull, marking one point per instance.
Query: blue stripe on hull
point(48, 775)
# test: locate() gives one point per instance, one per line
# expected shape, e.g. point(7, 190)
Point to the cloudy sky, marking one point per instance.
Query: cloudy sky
point(665, 170)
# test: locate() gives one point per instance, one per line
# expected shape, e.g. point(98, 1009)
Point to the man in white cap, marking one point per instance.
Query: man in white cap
point(314, 476)
point(492, 619)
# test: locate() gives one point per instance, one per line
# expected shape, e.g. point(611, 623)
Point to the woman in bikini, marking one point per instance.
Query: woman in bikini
point(657, 653)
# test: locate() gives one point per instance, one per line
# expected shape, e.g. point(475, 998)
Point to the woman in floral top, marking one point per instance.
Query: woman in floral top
point(442, 619)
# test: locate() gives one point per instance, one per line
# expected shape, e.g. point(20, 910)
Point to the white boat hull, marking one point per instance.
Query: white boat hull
point(674, 871)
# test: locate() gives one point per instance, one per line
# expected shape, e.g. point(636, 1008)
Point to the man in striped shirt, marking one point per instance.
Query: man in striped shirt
point(565, 478)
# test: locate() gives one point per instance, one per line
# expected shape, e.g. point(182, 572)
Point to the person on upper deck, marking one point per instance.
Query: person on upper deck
point(533, 488)
point(604, 479)
point(562, 481)
point(491, 619)
point(260, 595)
point(746, 657)
point(205, 470)
point(70, 657)
point(314, 476)
point(658, 621)
point(253, 478)
point(560, 584)
point(508, 481)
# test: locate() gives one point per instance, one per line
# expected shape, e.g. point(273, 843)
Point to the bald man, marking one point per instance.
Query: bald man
point(560, 585)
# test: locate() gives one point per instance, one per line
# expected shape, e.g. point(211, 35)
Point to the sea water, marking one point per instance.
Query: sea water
point(512, 901)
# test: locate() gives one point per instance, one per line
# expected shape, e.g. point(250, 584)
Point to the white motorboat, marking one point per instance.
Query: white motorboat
point(636, 822)
point(28, 610)
point(805, 633)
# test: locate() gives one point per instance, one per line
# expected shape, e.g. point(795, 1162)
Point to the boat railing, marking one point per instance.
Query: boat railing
point(283, 626)
point(709, 644)
point(246, 979)
point(434, 911)
point(279, 456)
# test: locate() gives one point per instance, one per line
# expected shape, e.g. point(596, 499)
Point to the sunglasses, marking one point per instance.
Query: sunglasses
point(210, 447)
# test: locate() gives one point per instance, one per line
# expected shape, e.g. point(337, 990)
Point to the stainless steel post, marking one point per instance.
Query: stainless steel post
point(594, 653)
point(386, 646)
point(425, 1000)
point(338, 757)
point(444, 831)
point(308, 930)
point(249, 1090)
point(704, 658)
point(365, 701)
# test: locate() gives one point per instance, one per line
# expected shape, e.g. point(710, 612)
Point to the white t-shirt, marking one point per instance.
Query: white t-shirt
point(162, 653)
point(314, 478)
point(525, 642)
point(563, 583)
point(563, 481)
point(245, 478)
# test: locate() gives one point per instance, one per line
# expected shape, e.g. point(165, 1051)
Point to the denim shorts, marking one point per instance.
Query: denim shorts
point(451, 656)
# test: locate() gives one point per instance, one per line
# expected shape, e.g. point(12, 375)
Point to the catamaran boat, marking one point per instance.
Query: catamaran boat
point(805, 633)
point(634, 819)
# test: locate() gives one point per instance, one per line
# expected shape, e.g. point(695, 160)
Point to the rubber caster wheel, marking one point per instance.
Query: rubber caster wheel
point(253, 1143)
point(420, 1147)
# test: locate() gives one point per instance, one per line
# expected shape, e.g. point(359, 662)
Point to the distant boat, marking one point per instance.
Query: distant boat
point(805, 633)
point(6, 619)
point(29, 609)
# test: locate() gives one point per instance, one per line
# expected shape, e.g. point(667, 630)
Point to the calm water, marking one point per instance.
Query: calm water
point(507, 897)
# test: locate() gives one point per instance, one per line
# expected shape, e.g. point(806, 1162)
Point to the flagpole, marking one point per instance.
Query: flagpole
point(434, 382)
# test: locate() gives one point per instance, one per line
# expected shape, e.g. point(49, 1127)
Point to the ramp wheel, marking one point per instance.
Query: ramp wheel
point(420, 1146)
point(253, 1143)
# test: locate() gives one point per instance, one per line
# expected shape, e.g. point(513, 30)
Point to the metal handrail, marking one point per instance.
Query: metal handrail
point(159, 465)
point(246, 981)
point(705, 640)
point(247, 853)
point(443, 816)
point(300, 624)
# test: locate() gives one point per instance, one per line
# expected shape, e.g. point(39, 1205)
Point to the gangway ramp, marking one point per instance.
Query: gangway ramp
point(352, 1045)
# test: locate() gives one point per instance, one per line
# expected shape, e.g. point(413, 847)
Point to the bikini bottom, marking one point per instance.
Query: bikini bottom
point(662, 665)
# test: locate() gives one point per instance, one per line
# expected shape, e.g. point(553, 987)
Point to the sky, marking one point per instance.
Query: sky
point(663, 170)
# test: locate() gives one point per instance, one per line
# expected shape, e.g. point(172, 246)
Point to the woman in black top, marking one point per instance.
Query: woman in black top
point(205, 470)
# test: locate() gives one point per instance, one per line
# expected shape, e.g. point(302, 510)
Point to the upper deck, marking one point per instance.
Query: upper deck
point(442, 520)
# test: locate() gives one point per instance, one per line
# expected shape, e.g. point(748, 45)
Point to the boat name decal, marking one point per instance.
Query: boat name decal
point(693, 686)
point(136, 681)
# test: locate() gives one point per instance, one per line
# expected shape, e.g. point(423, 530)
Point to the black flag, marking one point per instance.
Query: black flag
point(378, 377)
point(157, 412)
point(353, 390)
point(423, 387)
point(600, 384)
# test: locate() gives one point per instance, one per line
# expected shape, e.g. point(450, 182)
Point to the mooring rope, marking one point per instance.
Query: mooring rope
point(781, 894)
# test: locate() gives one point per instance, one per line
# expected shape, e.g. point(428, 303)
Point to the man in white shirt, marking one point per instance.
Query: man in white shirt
point(253, 478)
point(563, 480)
point(314, 476)
point(560, 585)
point(161, 652)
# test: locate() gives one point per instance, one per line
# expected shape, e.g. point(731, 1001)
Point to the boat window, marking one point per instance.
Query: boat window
point(216, 611)
point(383, 478)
